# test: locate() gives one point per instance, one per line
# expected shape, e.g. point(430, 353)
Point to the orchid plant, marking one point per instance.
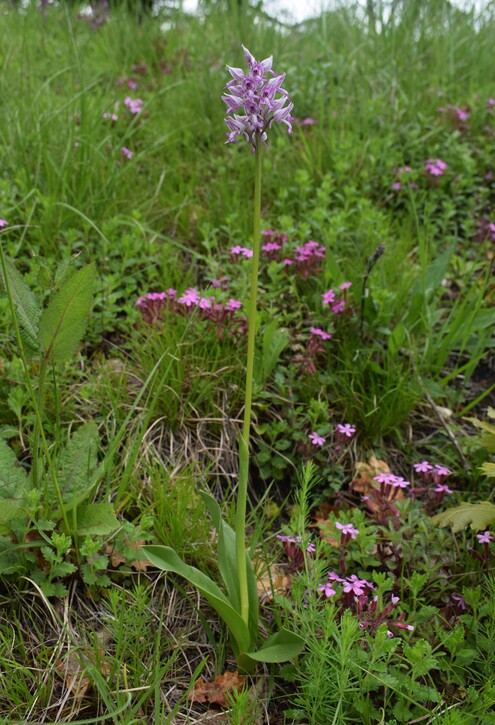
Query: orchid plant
point(255, 100)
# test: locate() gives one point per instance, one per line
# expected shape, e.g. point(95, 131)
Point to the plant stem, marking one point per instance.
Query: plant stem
point(240, 514)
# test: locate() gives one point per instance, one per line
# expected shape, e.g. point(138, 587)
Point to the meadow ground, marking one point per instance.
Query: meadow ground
point(126, 253)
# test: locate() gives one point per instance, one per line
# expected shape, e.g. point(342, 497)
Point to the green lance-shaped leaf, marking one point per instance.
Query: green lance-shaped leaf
point(63, 322)
point(282, 646)
point(14, 483)
point(477, 515)
point(26, 304)
point(167, 559)
point(227, 564)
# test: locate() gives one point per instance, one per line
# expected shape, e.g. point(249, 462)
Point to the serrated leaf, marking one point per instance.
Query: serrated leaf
point(63, 270)
point(77, 464)
point(488, 469)
point(63, 322)
point(26, 304)
point(477, 515)
point(14, 483)
point(96, 519)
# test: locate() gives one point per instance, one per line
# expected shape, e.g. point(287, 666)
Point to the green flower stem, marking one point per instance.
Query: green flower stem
point(240, 514)
point(32, 394)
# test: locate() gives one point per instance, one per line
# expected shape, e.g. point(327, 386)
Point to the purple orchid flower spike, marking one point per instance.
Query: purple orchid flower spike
point(254, 101)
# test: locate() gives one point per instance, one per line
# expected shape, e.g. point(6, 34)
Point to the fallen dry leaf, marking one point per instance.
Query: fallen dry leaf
point(215, 692)
point(72, 674)
point(363, 483)
point(271, 580)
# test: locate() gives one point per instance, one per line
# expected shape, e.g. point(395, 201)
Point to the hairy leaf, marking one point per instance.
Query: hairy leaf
point(63, 322)
point(96, 519)
point(26, 304)
point(14, 483)
point(488, 469)
point(77, 464)
point(477, 515)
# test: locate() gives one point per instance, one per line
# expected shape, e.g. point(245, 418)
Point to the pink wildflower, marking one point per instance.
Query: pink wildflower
point(241, 251)
point(135, 105)
point(3, 223)
point(320, 333)
point(327, 590)
point(485, 537)
point(189, 298)
point(443, 488)
point(328, 297)
point(316, 440)
point(346, 429)
point(435, 167)
point(347, 529)
point(338, 307)
point(232, 305)
point(127, 152)
point(423, 467)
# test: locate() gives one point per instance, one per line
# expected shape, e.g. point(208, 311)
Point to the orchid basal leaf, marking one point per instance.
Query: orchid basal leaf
point(165, 558)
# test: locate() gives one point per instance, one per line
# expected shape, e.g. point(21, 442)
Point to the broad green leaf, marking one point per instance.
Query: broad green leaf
point(63, 322)
point(488, 469)
point(487, 435)
point(477, 515)
point(13, 479)
point(26, 304)
point(227, 561)
point(77, 464)
point(95, 519)
point(14, 483)
point(167, 559)
point(280, 647)
point(227, 564)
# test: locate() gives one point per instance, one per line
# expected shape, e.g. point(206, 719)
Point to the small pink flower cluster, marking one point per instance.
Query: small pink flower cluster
point(343, 433)
point(238, 251)
point(356, 595)
point(402, 180)
point(352, 586)
point(337, 299)
point(390, 485)
point(3, 223)
point(152, 305)
point(293, 550)
point(435, 167)
point(457, 114)
point(307, 259)
point(433, 488)
point(134, 105)
point(486, 230)
point(485, 538)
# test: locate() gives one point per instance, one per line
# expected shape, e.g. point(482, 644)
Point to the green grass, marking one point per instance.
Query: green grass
point(411, 356)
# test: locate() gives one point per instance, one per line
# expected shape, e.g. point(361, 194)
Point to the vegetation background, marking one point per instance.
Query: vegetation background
point(145, 413)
